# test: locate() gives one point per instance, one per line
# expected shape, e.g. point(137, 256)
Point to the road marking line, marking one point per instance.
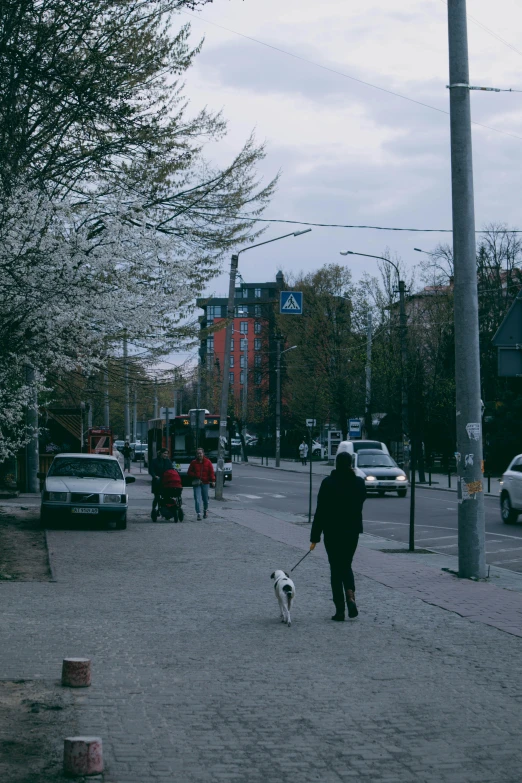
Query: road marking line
point(504, 562)
point(250, 497)
point(499, 551)
point(439, 527)
point(434, 538)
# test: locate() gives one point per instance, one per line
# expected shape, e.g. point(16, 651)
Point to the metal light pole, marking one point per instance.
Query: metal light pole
point(135, 416)
point(126, 408)
point(245, 401)
point(278, 399)
point(220, 473)
point(368, 398)
point(403, 321)
point(31, 420)
point(471, 539)
point(106, 408)
point(155, 397)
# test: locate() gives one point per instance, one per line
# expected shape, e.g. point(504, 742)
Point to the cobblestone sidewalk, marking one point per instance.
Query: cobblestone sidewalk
point(196, 681)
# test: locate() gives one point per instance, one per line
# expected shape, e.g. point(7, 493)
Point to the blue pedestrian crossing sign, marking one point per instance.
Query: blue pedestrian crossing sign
point(291, 303)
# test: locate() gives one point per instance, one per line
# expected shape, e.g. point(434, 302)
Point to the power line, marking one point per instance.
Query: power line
point(377, 228)
point(346, 75)
point(489, 31)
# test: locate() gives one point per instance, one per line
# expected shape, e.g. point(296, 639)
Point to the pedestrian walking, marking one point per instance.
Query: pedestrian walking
point(339, 517)
point(127, 454)
point(202, 474)
point(158, 467)
point(303, 452)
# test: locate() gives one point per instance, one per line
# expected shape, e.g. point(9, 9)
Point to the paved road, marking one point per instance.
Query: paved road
point(436, 513)
point(286, 494)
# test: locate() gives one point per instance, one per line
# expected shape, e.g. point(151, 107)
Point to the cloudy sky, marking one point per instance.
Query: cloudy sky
point(349, 153)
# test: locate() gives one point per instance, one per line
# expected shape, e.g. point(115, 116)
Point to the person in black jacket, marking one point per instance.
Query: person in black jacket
point(339, 517)
point(157, 468)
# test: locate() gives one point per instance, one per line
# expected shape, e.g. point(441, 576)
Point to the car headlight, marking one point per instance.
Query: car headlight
point(112, 498)
point(401, 478)
point(58, 497)
point(371, 478)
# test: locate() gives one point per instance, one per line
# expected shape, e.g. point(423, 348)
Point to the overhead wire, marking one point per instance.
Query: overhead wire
point(345, 75)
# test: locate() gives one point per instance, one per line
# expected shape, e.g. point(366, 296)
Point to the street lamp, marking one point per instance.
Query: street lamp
point(278, 399)
point(404, 349)
point(220, 473)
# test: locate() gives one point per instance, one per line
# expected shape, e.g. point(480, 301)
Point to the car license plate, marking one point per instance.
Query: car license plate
point(84, 510)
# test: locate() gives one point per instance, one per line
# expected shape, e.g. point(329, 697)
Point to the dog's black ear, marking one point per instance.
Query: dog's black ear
point(288, 575)
point(272, 576)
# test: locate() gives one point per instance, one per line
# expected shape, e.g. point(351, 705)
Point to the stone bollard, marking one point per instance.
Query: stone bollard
point(76, 672)
point(82, 756)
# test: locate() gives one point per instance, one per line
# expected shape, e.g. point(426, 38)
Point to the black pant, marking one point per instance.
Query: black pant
point(340, 556)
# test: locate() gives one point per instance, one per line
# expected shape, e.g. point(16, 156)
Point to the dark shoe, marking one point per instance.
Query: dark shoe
point(205, 514)
point(338, 617)
point(181, 515)
point(154, 515)
point(350, 601)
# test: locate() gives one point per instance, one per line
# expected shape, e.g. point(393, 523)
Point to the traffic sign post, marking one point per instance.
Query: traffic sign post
point(354, 428)
point(311, 422)
point(164, 412)
point(291, 303)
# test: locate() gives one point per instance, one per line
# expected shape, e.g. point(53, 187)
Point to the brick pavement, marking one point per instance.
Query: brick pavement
point(195, 680)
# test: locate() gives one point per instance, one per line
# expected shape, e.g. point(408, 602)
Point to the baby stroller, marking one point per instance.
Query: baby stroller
point(170, 496)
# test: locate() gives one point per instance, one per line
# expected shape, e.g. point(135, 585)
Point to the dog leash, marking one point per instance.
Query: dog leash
point(301, 560)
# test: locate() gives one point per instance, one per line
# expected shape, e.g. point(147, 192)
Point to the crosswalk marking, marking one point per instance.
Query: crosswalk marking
point(250, 497)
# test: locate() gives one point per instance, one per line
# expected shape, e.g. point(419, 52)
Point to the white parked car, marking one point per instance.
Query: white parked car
point(353, 446)
point(85, 485)
point(511, 492)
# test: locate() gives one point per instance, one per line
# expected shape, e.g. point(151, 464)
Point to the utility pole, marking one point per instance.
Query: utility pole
point(471, 538)
point(31, 419)
point(135, 416)
point(368, 400)
point(126, 405)
point(156, 413)
point(278, 402)
point(223, 438)
point(403, 320)
point(106, 408)
point(245, 400)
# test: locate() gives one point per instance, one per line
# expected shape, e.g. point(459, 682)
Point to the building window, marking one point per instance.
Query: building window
point(231, 359)
point(242, 376)
point(245, 293)
point(243, 344)
point(213, 311)
point(257, 310)
point(257, 344)
point(210, 343)
point(243, 327)
point(257, 377)
point(232, 344)
point(231, 377)
point(240, 310)
point(242, 361)
point(257, 327)
point(257, 293)
point(257, 360)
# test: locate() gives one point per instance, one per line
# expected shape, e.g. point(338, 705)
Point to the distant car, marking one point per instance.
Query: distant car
point(119, 444)
point(85, 485)
point(318, 450)
point(511, 492)
point(381, 472)
point(139, 452)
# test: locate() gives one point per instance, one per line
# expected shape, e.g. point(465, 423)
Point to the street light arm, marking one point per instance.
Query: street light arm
point(267, 242)
point(368, 255)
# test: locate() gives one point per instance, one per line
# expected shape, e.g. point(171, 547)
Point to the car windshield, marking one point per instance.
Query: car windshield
point(86, 468)
point(375, 461)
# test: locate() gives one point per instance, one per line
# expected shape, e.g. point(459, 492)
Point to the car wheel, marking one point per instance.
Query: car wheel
point(228, 478)
point(380, 493)
point(121, 522)
point(402, 493)
point(509, 515)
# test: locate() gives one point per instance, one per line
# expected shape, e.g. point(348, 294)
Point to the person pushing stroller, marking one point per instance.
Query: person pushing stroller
point(170, 490)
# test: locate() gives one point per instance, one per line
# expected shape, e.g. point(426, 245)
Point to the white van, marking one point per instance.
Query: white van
point(353, 446)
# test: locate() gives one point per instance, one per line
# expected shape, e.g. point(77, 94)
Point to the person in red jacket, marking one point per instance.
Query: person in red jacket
point(202, 474)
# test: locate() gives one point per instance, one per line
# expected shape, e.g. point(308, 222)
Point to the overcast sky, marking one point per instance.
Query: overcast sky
point(349, 153)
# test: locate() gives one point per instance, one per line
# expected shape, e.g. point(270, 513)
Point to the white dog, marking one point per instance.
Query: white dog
point(285, 594)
